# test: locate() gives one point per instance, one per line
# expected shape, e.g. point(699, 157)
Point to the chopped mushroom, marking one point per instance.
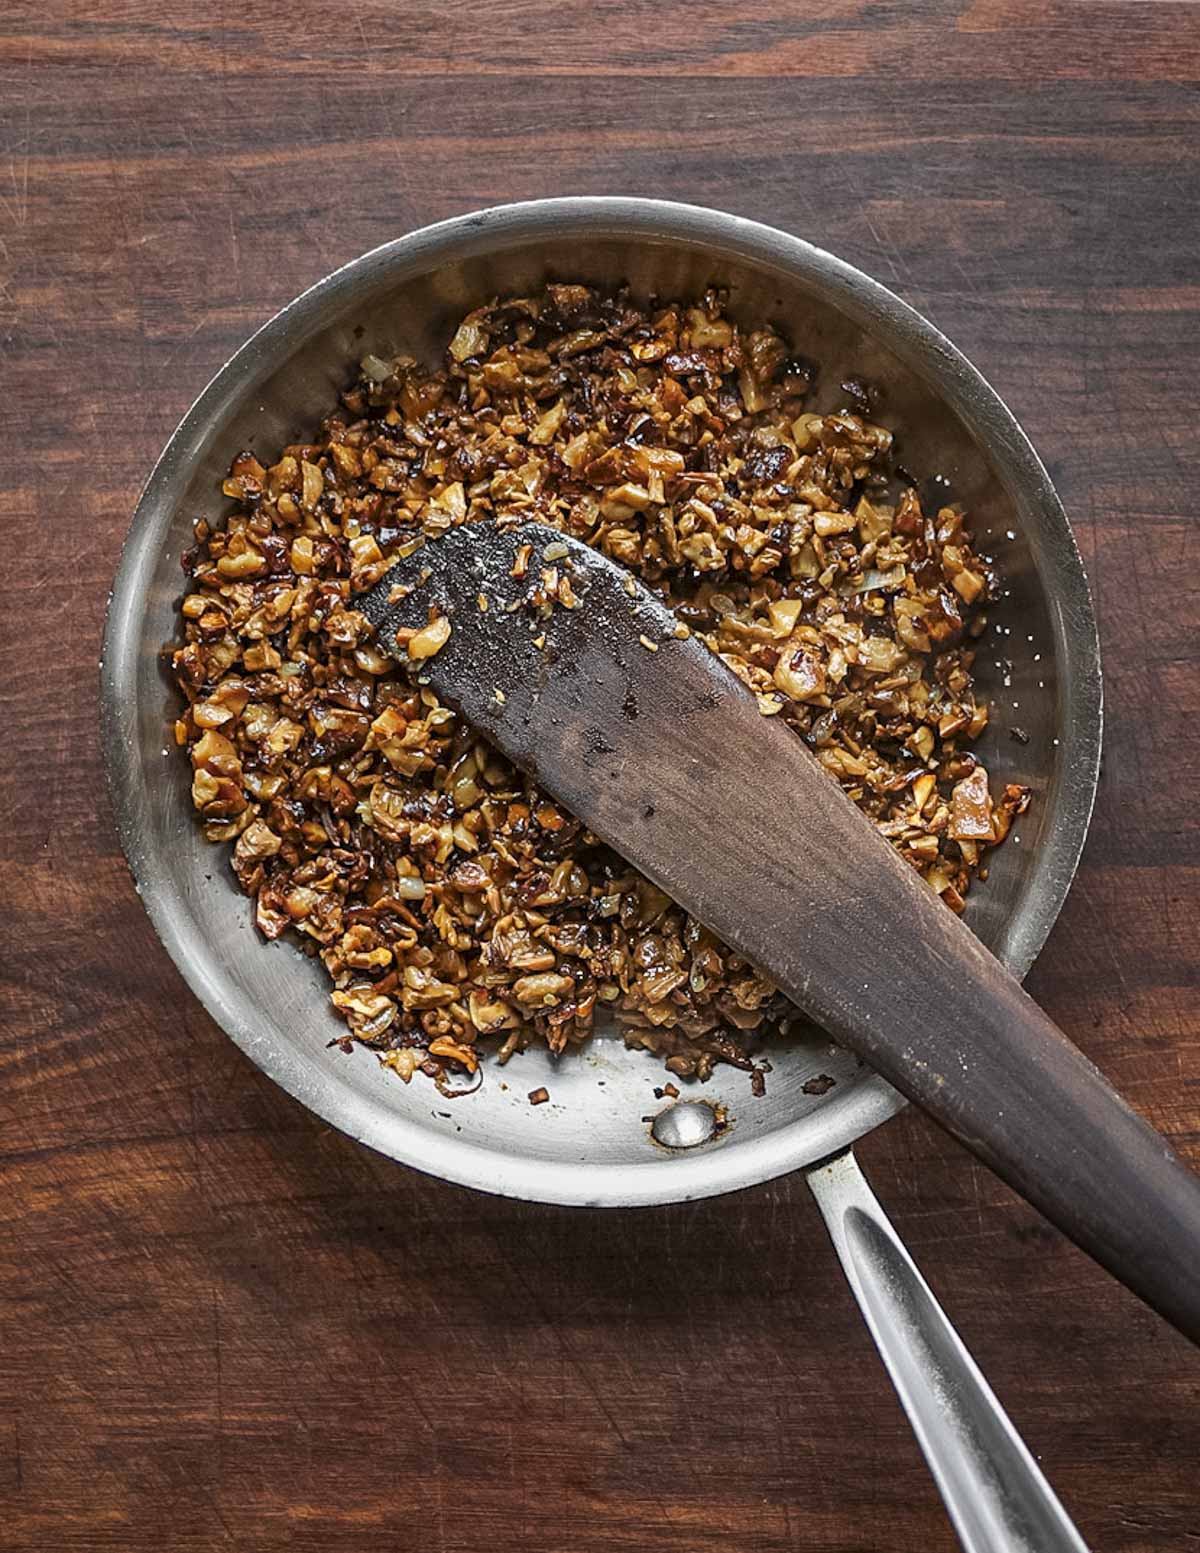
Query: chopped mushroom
point(971, 809)
point(429, 639)
point(455, 908)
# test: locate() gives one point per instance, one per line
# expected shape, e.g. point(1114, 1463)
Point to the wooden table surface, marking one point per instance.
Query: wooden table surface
point(224, 1326)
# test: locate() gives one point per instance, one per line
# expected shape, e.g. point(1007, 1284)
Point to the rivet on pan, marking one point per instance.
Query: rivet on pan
point(685, 1125)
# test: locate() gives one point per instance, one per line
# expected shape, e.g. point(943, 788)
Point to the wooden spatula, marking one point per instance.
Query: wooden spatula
point(655, 745)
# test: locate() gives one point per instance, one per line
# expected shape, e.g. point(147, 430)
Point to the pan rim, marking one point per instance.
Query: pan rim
point(925, 350)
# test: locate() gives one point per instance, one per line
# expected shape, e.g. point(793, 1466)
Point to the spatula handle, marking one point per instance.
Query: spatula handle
point(1009, 1085)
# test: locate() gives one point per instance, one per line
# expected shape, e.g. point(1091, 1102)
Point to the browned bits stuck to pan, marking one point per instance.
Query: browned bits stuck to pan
point(453, 904)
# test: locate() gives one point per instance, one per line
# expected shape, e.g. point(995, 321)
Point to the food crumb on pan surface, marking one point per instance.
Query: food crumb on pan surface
point(455, 906)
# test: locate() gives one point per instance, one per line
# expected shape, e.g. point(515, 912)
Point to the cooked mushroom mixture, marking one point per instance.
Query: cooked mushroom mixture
point(454, 905)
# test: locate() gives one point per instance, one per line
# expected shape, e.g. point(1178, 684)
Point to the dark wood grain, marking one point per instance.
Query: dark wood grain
point(222, 1325)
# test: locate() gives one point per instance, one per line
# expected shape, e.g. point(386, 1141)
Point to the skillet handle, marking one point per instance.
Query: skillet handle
point(994, 1491)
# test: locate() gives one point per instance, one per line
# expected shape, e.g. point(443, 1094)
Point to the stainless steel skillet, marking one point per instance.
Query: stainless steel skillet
point(590, 1146)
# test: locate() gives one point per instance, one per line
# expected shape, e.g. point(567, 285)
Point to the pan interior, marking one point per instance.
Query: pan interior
point(591, 1142)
